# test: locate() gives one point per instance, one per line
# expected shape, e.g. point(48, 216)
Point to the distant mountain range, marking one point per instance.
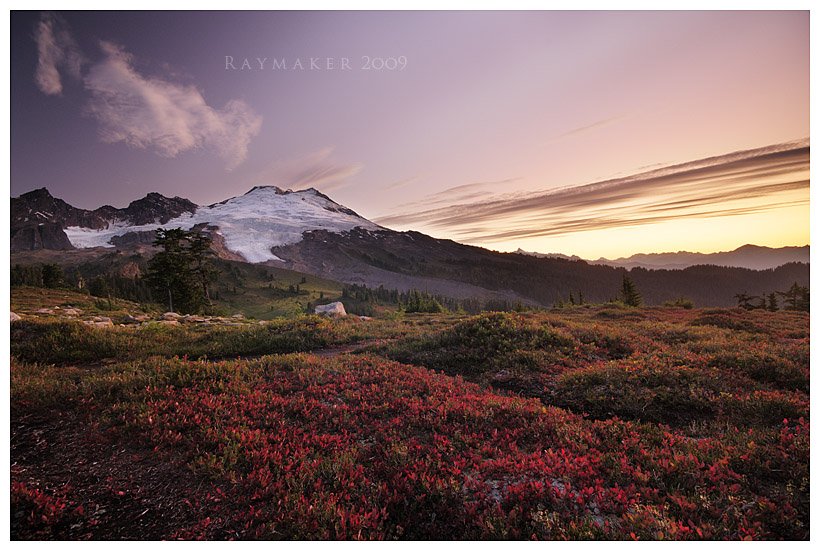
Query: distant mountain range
point(308, 232)
point(752, 257)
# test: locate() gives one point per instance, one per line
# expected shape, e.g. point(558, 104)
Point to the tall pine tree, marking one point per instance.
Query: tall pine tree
point(629, 293)
point(180, 271)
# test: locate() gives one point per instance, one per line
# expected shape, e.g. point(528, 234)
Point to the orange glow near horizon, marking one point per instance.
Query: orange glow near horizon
point(786, 227)
point(758, 197)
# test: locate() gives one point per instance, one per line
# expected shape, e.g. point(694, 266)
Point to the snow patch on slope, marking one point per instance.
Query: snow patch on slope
point(251, 224)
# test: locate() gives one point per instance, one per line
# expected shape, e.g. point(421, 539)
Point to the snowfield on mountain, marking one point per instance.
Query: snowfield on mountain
point(251, 224)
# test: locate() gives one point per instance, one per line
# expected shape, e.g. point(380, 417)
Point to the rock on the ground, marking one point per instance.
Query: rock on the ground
point(15, 317)
point(334, 309)
point(238, 317)
point(169, 322)
point(72, 312)
point(100, 323)
point(135, 319)
point(170, 316)
point(193, 319)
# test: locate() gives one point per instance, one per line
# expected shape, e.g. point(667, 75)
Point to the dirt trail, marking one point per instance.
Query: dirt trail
point(332, 352)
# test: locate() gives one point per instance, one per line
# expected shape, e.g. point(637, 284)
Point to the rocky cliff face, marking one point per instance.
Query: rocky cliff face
point(43, 235)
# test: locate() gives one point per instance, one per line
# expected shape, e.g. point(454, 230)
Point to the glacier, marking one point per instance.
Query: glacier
point(250, 224)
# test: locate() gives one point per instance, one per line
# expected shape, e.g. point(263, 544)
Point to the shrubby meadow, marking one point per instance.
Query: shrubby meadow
point(584, 423)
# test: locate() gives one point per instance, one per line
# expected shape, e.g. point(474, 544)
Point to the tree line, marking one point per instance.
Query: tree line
point(796, 298)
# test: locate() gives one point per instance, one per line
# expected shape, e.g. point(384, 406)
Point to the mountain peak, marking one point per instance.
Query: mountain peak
point(37, 194)
point(155, 208)
point(275, 189)
point(279, 191)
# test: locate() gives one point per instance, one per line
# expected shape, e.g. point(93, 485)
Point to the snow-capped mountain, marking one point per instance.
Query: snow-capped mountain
point(249, 225)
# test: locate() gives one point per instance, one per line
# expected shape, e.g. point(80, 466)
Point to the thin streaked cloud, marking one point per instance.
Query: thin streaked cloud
point(707, 188)
point(318, 169)
point(402, 183)
point(586, 128)
point(464, 192)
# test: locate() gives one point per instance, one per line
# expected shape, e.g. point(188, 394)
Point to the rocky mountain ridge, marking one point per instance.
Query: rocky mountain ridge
point(39, 220)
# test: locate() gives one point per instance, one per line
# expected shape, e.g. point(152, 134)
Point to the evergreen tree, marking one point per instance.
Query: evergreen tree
point(53, 276)
point(26, 275)
point(743, 301)
point(180, 271)
point(804, 303)
point(796, 298)
point(773, 306)
point(204, 273)
point(99, 287)
point(629, 293)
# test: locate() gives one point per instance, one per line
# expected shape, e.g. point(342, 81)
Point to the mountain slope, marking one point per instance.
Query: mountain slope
point(395, 259)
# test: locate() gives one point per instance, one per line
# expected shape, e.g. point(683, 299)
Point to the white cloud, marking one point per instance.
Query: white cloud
point(145, 112)
point(167, 117)
point(56, 50)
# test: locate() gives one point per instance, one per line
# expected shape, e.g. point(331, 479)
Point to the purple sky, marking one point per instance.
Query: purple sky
point(486, 113)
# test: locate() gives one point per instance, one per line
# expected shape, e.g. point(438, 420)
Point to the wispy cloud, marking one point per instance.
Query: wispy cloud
point(167, 117)
point(56, 50)
point(740, 183)
point(464, 192)
point(587, 128)
point(147, 112)
point(458, 192)
point(402, 183)
point(319, 169)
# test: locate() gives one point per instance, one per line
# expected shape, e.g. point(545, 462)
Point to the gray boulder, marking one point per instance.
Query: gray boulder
point(333, 310)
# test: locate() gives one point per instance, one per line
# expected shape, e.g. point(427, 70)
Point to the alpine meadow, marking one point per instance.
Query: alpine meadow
point(409, 275)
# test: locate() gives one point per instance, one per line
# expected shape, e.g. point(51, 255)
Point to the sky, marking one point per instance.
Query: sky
point(590, 133)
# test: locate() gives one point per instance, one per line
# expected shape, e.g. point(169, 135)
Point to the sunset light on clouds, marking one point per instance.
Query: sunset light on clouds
point(588, 133)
